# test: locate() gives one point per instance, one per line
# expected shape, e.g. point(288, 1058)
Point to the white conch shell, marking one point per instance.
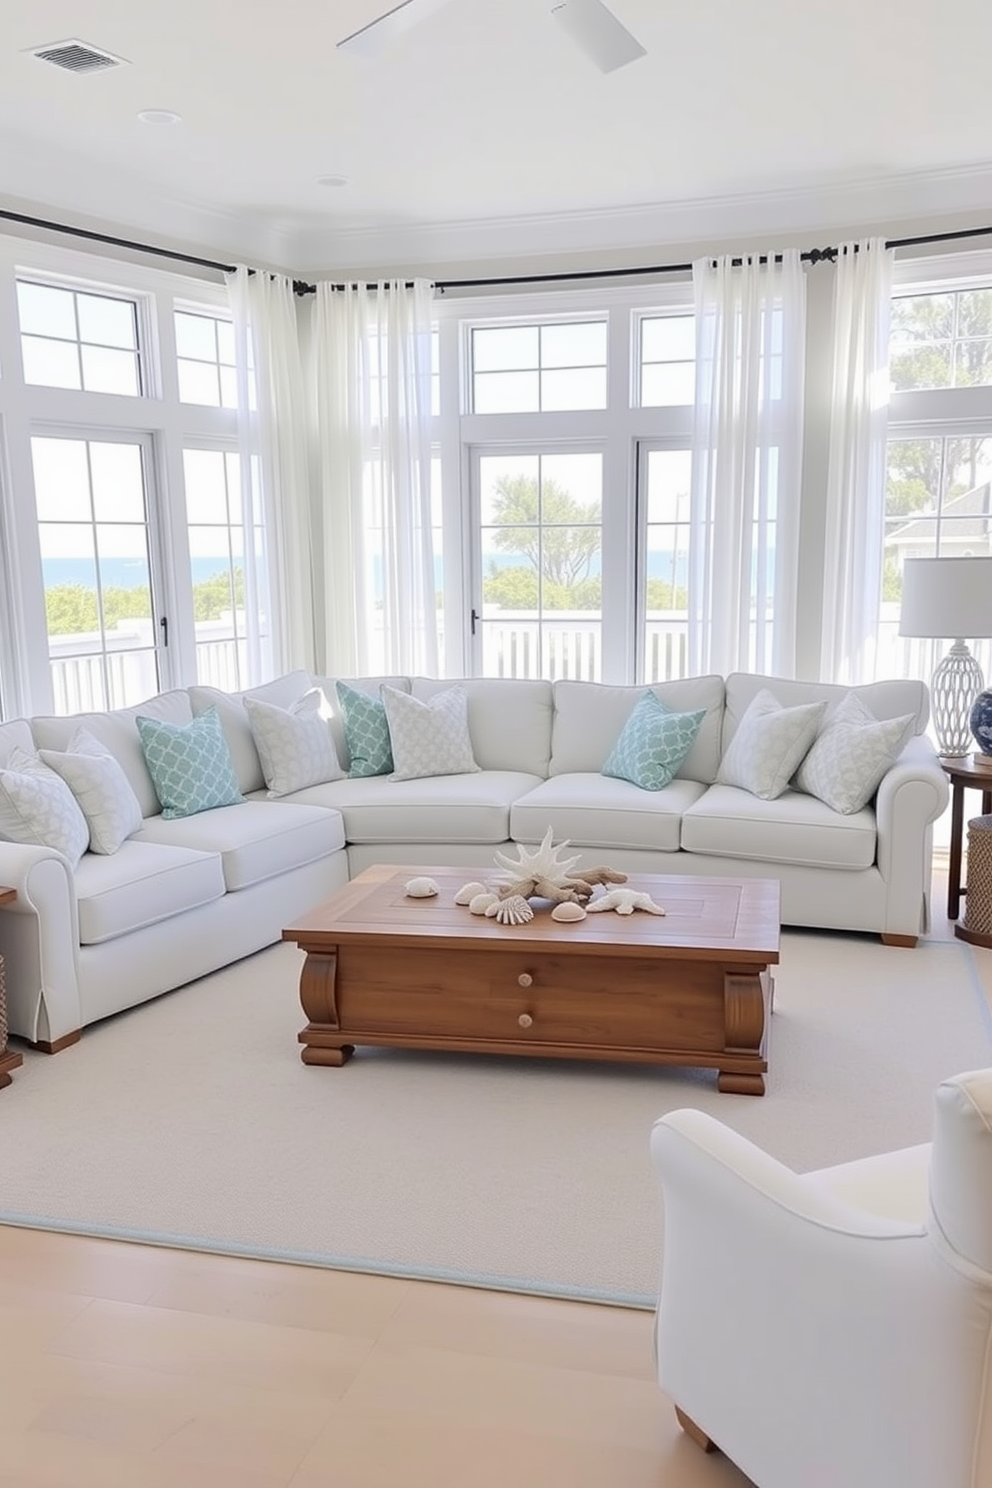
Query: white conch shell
point(512, 911)
point(482, 902)
point(466, 894)
point(568, 911)
point(421, 888)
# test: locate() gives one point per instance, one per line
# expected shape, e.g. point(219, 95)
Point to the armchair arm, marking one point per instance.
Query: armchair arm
point(39, 941)
point(910, 798)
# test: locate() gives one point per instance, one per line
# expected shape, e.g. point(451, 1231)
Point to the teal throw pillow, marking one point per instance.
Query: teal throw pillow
point(366, 732)
point(190, 764)
point(652, 744)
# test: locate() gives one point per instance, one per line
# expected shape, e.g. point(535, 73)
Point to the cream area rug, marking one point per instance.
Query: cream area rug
point(191, 1121)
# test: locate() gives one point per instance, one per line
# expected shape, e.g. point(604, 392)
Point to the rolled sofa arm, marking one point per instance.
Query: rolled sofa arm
point(39, 941)
point(911, 796)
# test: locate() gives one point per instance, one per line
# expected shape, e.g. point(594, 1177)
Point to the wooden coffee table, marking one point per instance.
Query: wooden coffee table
point(690, 988)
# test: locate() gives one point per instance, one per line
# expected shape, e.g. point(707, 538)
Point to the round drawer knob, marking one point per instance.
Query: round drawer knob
point(525, 979)
point(525, 1020)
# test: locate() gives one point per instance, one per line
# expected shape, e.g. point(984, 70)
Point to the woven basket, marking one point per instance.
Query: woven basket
point(3, 1012)
point(978, 899)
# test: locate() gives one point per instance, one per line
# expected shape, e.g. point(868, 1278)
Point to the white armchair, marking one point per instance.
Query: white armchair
point(833, 1329)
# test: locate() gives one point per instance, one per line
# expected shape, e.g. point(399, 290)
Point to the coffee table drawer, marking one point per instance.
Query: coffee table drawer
point(526, 997)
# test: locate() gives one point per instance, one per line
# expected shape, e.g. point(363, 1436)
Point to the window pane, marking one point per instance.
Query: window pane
point(667, 384)
point(50, 363)
point(581, 345)
point(497, 475)
point(45, 311)
point(917, 319)
point(107, 322)
point(973, 363)
point(196, 337)
point(507, 392)
point(118, 484)
point(229, 387)
point(198, 383)
point(206, 486)
point(504, 348)
point(583, 387)
point(107, 371)
point(668, 338)
point(923, 367)
point(225, 341)
point(669, 484)
point(61, 480)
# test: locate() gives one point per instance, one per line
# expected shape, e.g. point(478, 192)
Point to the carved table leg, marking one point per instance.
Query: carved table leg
point(745, 998)
point(693, 1432)
point(318, 994)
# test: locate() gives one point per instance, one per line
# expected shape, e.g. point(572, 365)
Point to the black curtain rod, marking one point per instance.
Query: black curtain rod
point(301, 287)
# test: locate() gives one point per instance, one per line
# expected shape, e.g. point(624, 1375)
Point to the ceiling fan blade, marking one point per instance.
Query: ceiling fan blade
point(598, 32)
point(374, 38)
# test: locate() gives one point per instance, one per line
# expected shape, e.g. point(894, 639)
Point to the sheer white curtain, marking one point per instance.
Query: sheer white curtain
point(371, 369)
point(263, 308)
point(746, 464)
point(855, 505)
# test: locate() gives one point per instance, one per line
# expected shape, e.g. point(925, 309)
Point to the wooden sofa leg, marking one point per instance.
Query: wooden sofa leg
point(694, 1432)
point(55, 1046)
point(909, 941)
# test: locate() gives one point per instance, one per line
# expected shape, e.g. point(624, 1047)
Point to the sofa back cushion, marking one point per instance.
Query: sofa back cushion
point(509, 720)
point(15, 735)
point(282, 692)
point(589, 718)
point(888, 699)
point(118, 732)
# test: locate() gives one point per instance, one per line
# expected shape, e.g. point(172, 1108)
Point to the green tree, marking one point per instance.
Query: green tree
point(557, 534)
point(661, 595)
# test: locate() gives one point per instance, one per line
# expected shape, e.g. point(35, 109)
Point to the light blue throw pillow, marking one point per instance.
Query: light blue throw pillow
point(366, 732)
point(652, 744)
point(190, 764)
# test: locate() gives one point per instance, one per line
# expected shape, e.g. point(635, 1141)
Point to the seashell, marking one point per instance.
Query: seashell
point(421, 888)
point(568, 912)
point(467, 894)
point(480, 904)
point(512, 911)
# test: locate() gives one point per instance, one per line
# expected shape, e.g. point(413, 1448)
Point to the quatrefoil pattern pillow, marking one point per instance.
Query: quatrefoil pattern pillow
point(294, 744)
point(429, 738)
point(851, 754)
point(104, 793)
point(36, 806)
point(190, 764)
point(769, 744)
point(366, 732)
point(652, 744)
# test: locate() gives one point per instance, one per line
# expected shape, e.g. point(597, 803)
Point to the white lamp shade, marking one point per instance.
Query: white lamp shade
point(949, 598)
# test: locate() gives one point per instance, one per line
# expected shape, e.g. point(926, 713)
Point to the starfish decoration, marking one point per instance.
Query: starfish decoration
point(541, 873)
point(624, 901)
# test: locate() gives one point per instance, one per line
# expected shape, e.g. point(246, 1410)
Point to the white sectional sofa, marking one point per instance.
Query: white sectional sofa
point(183, 897)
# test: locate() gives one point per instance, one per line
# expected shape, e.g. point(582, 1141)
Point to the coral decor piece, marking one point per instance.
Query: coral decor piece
point(511, 911)
point(422, 888)
point(624, 901)
point(541, 873)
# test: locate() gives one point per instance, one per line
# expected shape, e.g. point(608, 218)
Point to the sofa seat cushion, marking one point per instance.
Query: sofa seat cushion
point(256, 840)
point(141, 884)
point(729, 822)
point(597, 811)
point(448, 808)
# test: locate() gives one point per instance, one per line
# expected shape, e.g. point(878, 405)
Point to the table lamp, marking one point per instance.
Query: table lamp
point(950, 599)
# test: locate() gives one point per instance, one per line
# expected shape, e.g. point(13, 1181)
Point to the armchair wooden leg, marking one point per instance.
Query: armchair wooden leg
point(909, 941)
point(694, 1432)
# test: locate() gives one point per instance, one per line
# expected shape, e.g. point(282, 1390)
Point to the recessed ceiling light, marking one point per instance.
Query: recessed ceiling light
point(159, 116)
point(332, 180)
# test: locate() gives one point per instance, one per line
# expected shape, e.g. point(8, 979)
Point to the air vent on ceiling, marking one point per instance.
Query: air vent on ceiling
point(76, 56)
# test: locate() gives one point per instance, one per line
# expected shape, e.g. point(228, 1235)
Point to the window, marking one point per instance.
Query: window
point(667, 360)
point(539, 368)
point(205, 357)
point(540, 541)
point(227, 567)
point(93, 529)
point(666, 475)
point(942, 340)
point(76, 339)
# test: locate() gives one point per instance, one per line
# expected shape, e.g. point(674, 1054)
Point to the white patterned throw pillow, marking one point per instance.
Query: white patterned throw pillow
point(428, 738)
point(36, 806)
point(851, 753)
point(295, 744)
point(769, 745)
point(104, 793)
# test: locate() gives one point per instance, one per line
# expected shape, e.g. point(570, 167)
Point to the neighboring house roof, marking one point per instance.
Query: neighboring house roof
point(964, 523)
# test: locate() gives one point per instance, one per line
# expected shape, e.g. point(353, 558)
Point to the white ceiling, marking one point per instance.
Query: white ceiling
point(485, 132)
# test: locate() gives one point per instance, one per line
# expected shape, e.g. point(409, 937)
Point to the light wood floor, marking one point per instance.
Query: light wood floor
point(125, 1366)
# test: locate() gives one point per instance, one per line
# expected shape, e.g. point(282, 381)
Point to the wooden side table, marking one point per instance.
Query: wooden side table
point(8, 1059)
point(964, 772)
